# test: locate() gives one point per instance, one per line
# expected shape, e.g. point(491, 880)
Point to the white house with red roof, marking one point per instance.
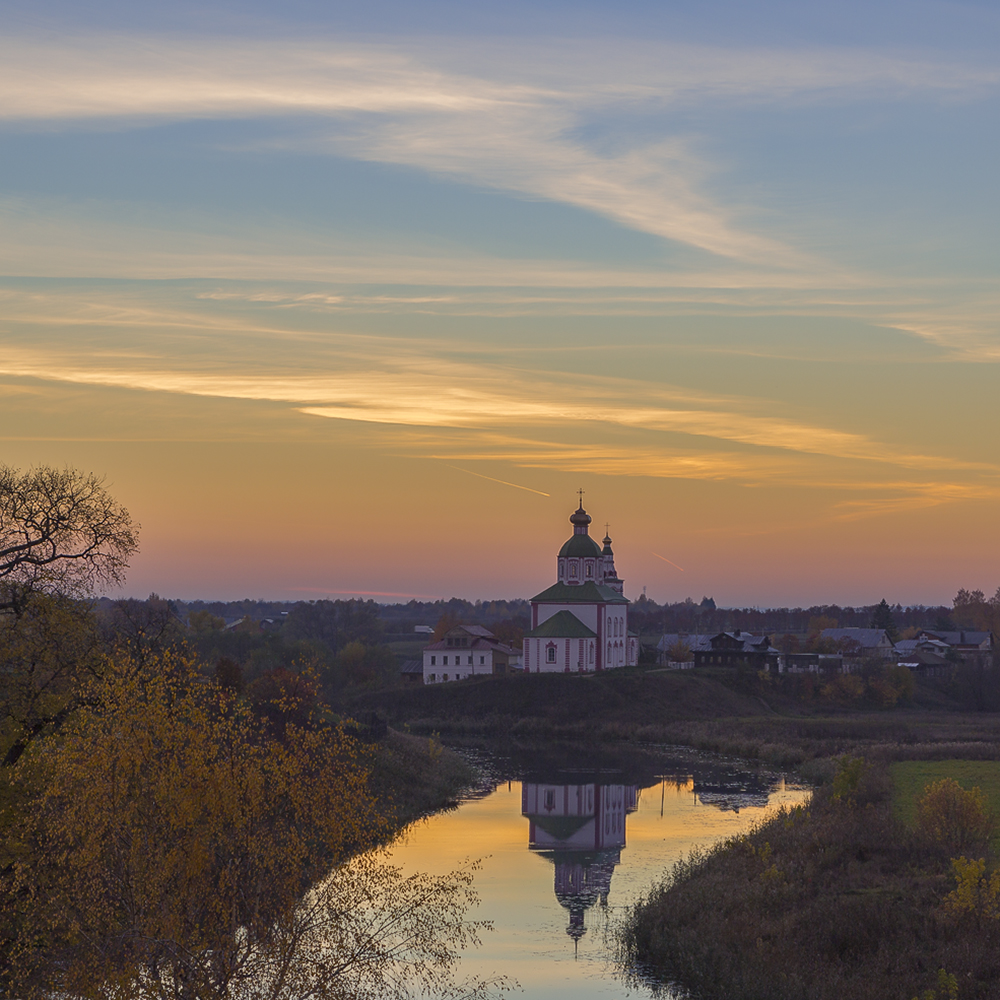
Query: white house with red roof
point(467, 651)
point(580, 624)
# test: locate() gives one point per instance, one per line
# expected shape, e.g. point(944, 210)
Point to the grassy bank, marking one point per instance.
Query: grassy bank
point(414, 775)
point(710, 711)
point(839, 899)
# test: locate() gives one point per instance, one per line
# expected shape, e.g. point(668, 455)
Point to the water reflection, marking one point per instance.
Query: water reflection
point(569, 836)
point(581, 830)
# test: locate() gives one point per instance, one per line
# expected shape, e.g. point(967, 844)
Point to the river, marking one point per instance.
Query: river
point(568, 838)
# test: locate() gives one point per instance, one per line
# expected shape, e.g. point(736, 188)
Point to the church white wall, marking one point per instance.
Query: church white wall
point(577, 570)
point(572, 655)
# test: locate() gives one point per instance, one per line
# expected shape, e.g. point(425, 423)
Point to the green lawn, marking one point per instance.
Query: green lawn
point(911, 777)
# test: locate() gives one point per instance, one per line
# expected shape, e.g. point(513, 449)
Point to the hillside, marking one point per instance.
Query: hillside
point(716, 713)
point(564, 703)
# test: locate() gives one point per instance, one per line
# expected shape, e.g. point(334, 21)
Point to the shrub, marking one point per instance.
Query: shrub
point(953, 818)
point(850, 771)
point(974, 893)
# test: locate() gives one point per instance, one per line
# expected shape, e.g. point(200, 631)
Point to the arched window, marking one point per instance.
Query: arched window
point(550, 654)
point(609, 652)
point(590, 569)
point(609, 626)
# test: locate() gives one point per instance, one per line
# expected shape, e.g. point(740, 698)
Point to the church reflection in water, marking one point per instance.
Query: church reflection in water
point(581, 830)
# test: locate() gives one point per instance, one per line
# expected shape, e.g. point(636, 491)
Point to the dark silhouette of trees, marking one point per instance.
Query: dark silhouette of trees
point(973, 609)
point(60, 532)
point(334, 623)
point(882, 618)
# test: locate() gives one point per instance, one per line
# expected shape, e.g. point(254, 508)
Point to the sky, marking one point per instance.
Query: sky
point(349, 300)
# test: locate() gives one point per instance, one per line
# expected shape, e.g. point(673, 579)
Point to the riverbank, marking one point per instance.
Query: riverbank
point(710, 712)
point(838, 899)
point(413, 776)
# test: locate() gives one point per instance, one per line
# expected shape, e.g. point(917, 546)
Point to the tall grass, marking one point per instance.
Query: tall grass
point(836, 900)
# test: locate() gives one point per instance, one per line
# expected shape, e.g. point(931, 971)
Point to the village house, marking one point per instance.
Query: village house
point(737, 649)
point(811, 663)
point(965, 643)
point(926, 657)
point(724, 649)
point(862, 642)
point(467, 651)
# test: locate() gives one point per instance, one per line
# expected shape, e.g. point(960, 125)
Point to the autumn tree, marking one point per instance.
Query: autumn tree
point(954, 818)
point(445, 624)
point(680, 652)
point(972, 609)
point(788, 643)
point(510, 631)
point(177, 849)
point(205, 621)
point(61, 535)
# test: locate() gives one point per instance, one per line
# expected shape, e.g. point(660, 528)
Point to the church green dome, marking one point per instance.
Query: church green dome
point(582, 547)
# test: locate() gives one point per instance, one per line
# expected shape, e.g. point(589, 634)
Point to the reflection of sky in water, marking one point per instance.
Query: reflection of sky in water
point(544, 842)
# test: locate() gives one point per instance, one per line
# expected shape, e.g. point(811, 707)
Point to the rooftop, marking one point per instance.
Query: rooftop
point(584, 593)
point(562, 625)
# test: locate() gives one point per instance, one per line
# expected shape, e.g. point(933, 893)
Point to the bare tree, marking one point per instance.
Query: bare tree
point(60, 532)
point(61, 536)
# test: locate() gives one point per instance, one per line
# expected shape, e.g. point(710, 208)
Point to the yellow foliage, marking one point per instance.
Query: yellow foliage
point(974, 892)
point(46, 649)
point(946, 988)
point(176, 849)
point(845, 688)
point(952, 817)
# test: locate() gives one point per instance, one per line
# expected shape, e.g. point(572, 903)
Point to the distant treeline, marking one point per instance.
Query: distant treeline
point(394, 618)
point(646, 616)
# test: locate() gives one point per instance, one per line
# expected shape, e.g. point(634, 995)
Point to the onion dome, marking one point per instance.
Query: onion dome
point(607, 546)
point(581, 545)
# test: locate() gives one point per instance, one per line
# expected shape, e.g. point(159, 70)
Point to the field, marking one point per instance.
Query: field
point(911, 777)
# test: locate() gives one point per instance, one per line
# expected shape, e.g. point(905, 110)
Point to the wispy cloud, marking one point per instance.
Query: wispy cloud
point(419, 386)
point(509, 123)
point(851, 491)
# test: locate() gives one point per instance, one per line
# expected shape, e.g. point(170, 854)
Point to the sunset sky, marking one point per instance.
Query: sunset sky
point(351, 298)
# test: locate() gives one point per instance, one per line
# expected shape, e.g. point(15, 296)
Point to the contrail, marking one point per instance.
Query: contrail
point(666, 560)
point(503, 481)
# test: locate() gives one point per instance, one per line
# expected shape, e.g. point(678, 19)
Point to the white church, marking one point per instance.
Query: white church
point(580, 624)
